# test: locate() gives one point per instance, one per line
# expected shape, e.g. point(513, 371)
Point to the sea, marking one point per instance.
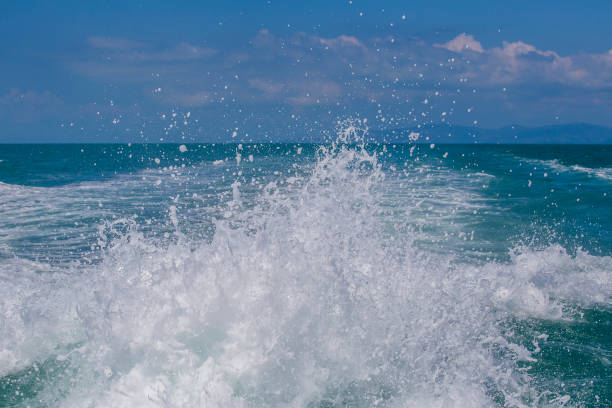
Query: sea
point(338, 274)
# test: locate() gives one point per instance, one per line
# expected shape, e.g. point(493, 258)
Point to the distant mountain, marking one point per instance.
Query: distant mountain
point(575, 133)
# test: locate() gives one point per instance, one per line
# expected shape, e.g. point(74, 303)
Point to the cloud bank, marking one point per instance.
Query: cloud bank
point(395, 80)
point(286, 69)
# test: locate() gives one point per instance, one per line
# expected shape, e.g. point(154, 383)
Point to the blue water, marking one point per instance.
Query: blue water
point(305, 275)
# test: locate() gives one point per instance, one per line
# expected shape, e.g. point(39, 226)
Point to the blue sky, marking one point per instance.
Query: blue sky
point(152, 70)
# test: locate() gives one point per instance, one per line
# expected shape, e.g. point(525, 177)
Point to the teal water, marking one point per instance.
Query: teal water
point(305, 275)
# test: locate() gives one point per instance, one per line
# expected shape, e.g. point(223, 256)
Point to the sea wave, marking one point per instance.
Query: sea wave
point(311, 293)
point(604, 173)
point(601, 172)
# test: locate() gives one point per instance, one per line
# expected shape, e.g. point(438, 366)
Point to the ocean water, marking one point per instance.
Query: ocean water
point(301, 275)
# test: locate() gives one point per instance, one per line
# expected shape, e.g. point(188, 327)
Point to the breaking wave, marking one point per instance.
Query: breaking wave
point(311, 293)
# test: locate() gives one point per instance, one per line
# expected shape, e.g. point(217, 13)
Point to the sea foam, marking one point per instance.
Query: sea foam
point(311, 294)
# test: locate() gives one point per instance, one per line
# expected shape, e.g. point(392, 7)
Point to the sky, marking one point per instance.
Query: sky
point(100, 71)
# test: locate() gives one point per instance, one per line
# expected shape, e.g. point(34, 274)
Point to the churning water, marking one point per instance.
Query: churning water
point(288, 275)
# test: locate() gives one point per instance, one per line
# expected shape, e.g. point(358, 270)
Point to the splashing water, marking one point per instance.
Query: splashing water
point(312, 292)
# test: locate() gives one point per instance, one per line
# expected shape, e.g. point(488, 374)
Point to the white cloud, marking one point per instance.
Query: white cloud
point(463, 42)
point(524, 62)
point(308, 70)
point(514, 49)
point(341, 41)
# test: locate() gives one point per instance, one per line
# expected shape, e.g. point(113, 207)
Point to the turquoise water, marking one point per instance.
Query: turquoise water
point(305, 275)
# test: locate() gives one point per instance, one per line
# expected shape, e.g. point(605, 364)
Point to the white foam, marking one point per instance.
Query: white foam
point(601, 172)
point(315, 291)
point(604, 173)
point(539, 282)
